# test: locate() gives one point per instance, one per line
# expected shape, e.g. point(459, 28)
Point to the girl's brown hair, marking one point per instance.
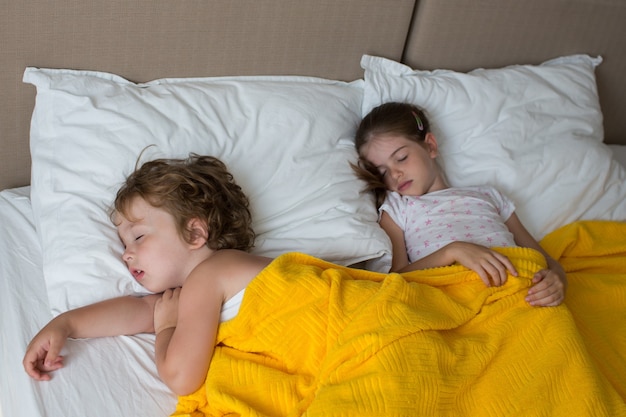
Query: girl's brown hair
point(198, 187)
point(393, 118)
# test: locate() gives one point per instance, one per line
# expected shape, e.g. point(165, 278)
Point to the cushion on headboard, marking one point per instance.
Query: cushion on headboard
point(463, 35)
point(144, 40)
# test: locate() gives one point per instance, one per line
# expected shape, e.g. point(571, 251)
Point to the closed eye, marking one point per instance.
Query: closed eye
point(138, 237)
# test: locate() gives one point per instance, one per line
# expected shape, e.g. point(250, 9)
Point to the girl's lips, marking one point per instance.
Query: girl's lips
point(404, 186)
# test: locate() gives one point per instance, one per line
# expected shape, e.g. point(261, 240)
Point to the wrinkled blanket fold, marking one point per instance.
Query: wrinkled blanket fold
point(317, 339)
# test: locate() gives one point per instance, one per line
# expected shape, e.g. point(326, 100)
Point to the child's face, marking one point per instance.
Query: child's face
point(155, 253)
point(408, 167)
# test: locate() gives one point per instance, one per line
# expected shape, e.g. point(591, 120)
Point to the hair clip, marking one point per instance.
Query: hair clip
point(420, 125)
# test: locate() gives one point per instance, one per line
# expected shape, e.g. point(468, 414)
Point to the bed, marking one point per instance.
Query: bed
point(526, 96)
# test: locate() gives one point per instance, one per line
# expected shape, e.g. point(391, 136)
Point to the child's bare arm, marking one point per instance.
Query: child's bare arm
point(491, 266)
point(124, 315)
point(186, 323)
point(183, 353)
point(400, 258)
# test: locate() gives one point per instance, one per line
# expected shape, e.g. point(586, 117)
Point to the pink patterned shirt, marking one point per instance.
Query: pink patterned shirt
point(433, 220)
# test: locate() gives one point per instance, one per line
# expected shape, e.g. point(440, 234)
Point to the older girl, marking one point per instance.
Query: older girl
point(431, 224)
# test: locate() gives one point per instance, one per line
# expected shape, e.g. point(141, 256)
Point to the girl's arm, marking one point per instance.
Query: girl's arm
point(399, 256)
point(490, 265)
point(549, 284)
point(123, 315)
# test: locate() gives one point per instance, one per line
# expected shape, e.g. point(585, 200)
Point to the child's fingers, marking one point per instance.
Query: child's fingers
point(45, 356)
point(539, 276)
point(546, 298)
point(484, 277)
point(31, 358)
point(507, 263)
point(170, 294)
point(52, 364)
point(498, 269)
point(545, 292)
point(52, 356)
point(30, 366)
point(491, 273)
point(37, 364)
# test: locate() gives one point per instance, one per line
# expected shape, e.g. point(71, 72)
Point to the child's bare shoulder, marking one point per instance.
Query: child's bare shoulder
point(232, 269)
point(232, 258)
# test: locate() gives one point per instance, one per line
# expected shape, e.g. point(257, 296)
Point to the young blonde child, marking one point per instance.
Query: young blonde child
point(185, 225)
point(431, 224)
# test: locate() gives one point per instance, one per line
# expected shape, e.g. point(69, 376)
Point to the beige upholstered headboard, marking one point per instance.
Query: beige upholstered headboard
point(463, 35)
point(145, 39)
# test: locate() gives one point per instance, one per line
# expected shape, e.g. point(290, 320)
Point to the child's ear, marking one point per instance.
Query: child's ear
point(431, 144)
point(198, 232)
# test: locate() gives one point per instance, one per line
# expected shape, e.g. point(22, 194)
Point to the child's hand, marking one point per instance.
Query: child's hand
point(42, 354)
point(491, 266)
point(548, 288)
point(166, 310)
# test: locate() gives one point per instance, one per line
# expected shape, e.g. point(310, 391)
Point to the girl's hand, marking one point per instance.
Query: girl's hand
point(548, 288)
point(166, 310)
point(491, 266)
point(42, 354)
point(549, 284)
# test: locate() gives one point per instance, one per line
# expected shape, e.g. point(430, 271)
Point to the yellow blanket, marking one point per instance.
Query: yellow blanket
point(316, 339)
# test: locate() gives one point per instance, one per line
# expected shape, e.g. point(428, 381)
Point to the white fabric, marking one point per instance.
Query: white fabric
point(113, 376)
point(619, 153)
point(533, 132)
point(231, 307)
point(287, 141)
point(434, 220)
point(102, 377)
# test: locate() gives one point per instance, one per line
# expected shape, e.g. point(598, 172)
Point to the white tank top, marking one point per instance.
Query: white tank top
point(231, 307)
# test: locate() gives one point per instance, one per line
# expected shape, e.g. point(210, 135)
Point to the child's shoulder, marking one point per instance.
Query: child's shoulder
point(233, 262)
point(485, 189)
point(472, 188)
point(230, 269)
point(235, 256)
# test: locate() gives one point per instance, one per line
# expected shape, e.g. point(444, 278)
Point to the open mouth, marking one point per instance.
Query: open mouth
point(137, 274)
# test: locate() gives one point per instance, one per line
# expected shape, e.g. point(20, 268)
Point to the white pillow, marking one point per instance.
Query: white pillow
point(534, 132)
point(287, 141)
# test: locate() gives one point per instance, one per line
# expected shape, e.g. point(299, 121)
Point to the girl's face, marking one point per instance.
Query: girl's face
point(155, 253)
point(407, 167)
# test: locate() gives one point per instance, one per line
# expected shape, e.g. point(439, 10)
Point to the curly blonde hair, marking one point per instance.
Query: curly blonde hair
point(197, 187)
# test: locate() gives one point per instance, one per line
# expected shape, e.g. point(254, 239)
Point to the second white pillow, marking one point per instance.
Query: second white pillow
point(533, 131)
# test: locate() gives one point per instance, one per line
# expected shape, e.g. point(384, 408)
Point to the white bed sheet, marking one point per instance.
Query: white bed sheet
point(102, 377)
point(619, 153)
